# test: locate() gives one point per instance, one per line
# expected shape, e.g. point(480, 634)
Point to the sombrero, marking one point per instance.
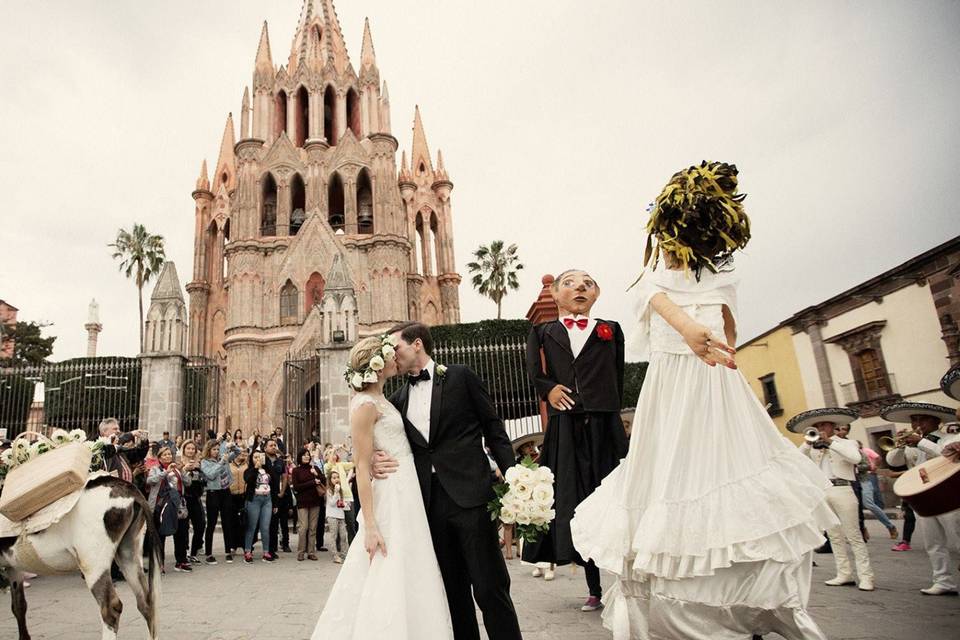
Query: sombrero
point(535, 438)
point(950, 382)
point(837, 415)
point(901, 411)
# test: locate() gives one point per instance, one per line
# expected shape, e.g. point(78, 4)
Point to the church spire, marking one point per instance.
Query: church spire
point(323, 27)
point(264, 61)
point(226, 159)
point(420, 154)
point(368, 57)
point(203, 182)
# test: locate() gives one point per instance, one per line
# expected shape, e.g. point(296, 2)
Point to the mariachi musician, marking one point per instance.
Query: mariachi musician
point(838, 459)
point(926, 441)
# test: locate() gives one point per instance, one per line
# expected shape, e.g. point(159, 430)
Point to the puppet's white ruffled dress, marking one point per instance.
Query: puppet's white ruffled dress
point(711, 519)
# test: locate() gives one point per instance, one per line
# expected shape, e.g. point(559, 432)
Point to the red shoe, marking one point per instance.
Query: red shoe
point(592, 604)
point(903, 546)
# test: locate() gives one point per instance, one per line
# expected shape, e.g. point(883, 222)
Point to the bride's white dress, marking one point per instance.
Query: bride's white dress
point(710, 520)
point(400, 596)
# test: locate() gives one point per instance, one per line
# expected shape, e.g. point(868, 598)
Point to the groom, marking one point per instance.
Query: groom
point(448, 415)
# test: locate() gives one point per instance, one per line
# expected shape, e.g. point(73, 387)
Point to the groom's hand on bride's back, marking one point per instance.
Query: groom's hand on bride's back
point(382, 465)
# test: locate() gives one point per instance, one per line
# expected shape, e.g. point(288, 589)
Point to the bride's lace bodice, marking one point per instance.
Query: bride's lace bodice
point(388, 433)
point(665, 339)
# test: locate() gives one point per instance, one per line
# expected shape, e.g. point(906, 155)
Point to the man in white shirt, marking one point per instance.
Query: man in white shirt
point(940, 533)
point(838, 459)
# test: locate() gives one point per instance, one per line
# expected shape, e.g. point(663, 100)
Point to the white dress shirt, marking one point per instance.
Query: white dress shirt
point(925, 450)
point(838, 461)
point(578, 336)
point(419, 401)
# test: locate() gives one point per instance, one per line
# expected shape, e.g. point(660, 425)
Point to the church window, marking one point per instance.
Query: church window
point(364, 203)
point(298, 204)
point(317, 33)
point(223, 178)
point(876, 383)
point(268, 207)
point(288, 303)
point(421, 169)
point(330, 115)
point(313, 294)
point(302, 123)
point(280, 113)
point(435, 245)
point(335, 203)
point(353, 112)
point(770, 396)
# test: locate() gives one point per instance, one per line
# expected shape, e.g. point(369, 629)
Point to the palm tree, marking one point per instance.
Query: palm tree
point(495, 271)
point(141, 256)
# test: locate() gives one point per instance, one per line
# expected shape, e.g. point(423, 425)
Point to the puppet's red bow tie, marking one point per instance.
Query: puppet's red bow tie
point(581, 323)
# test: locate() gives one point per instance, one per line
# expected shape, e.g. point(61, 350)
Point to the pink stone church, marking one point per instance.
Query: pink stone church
point(307, 235)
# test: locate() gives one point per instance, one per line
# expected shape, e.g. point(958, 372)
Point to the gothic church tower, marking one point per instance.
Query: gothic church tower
point(306, 237)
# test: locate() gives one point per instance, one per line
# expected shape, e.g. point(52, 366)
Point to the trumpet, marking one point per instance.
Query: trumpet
point(898, 441)
point(811, 435)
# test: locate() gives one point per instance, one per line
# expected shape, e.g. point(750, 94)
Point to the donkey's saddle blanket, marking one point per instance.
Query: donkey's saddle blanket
point(47, 516)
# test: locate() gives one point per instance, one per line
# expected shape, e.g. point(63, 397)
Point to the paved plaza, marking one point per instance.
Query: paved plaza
point(283, 600)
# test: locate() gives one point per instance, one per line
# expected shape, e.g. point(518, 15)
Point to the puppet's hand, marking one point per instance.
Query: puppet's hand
point(707, 347)
point(559, 399)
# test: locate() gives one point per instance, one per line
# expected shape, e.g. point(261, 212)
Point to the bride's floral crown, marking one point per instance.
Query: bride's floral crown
point(367, 374)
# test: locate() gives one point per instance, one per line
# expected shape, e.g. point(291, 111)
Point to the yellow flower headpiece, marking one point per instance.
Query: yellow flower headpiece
point(698, 218)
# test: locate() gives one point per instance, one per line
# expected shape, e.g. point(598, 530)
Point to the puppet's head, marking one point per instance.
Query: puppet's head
point(575, 292)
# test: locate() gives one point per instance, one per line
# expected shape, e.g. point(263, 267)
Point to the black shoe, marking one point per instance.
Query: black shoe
point(287, 549)
point(229, 558)
point(324, 549)
point(211, 560)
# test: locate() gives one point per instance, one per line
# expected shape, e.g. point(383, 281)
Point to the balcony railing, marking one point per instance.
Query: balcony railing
point(870, 400)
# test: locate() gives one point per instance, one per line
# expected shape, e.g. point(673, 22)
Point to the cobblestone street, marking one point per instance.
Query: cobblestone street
point(283, 600)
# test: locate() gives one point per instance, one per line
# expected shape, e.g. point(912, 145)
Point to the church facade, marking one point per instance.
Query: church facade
point(308, 235)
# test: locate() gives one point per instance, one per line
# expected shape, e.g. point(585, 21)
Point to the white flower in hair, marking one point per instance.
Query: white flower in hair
point(377, 363)
point(357, 380)
point(370, 376)
point(388, 352)
point(390, 340)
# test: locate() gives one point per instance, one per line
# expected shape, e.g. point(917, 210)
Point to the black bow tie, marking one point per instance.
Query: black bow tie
point(424, 375)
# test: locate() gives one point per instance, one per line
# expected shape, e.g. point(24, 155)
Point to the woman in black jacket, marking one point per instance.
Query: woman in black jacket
point(262, 497)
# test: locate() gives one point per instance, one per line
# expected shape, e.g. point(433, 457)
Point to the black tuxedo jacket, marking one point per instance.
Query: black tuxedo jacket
point(596, 375)
point(461, 412)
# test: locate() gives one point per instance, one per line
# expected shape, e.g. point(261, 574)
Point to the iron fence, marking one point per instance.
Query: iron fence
point(305, 409)
point(201, 396)
point(75, 394)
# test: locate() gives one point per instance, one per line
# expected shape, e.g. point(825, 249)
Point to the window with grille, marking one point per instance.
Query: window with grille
point(288, 303)
point(770, 396)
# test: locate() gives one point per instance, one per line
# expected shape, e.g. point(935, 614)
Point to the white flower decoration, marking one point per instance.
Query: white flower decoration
point(370, 376)
point(357, 381)
point(390, 340)
point(59, 436)
point(78, 435)
point(388, 352)
point(544, 474)
point(6, 457)
point(542, 495)
point(441, 370)
point(90, 444)
point(377, 363)
point(507, 514)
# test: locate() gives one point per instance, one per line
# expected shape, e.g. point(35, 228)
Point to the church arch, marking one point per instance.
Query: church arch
point(435, 244)
point(364, 202)
point(330, 115)
point(288, 303)
point(301, 124)
point(268, 206)
point(353, 111)
point(279, 113)
point(418, 245)
point(298, 204)
point(313, 293)
point(336, 203)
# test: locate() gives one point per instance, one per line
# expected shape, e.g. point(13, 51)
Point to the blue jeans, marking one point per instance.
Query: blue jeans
point(259, 510)
point(869, 489)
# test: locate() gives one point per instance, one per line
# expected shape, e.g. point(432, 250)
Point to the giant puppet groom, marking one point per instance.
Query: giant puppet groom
point(448, 416)
point(576, 364)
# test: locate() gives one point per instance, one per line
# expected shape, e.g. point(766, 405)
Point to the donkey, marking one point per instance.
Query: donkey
point(111, 522)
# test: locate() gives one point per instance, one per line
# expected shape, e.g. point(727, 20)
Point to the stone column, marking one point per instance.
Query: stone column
point(292, 117)
point(341, 119)
point(316, 115)
point(812, 329)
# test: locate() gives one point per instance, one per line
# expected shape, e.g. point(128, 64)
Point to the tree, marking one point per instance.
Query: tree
point(141, 257)
point(495, 271)
point(29, 347)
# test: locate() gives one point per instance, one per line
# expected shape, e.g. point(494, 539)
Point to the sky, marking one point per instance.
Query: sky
point(559, 122)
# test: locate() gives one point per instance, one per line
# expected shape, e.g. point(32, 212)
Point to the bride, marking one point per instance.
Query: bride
point(390, 588)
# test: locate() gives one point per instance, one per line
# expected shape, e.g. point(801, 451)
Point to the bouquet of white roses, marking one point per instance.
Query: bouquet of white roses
point(525, 499)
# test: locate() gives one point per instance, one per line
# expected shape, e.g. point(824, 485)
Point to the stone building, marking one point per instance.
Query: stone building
point(888, 339)
point(8, 317)
point(308, 234)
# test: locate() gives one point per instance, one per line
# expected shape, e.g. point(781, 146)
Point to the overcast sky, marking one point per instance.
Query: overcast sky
point(559, 122)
